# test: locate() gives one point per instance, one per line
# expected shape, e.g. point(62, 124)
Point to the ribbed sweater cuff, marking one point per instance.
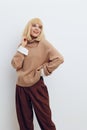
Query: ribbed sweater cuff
point(23, 50)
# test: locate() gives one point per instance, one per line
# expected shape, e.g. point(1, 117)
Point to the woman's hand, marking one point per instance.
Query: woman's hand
point(24, 41)
point(22, 48)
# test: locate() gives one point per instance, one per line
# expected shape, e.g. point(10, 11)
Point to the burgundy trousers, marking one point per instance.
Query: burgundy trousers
point(35, 97)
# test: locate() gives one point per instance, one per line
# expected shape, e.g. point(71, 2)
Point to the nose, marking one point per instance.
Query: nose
point(37, 27)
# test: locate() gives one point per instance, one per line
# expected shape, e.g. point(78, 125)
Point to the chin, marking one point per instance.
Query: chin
point(35, 36)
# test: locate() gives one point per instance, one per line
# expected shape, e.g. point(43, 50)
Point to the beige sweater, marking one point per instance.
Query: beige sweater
point(41, 55)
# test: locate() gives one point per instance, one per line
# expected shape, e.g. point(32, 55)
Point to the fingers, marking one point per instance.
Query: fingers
point(24, 41)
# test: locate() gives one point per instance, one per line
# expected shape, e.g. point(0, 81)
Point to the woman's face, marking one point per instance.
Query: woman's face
point(35, 30)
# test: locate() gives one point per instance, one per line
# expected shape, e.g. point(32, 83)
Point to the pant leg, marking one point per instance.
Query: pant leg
point(40, 99)
point(24, 109)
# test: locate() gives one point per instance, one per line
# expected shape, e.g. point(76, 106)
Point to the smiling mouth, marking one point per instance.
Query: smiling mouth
point(35, 32)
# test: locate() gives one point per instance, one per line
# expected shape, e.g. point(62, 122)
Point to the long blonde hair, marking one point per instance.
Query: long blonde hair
point(26, 32)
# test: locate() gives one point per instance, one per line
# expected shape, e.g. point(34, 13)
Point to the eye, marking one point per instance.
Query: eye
point(36, 25)
point(33, 25)
point(40, 27)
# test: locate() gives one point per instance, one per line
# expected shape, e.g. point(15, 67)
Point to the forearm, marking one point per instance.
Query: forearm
point(51, 65)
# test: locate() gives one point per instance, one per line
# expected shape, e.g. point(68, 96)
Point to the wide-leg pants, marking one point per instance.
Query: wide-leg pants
point(35, 97)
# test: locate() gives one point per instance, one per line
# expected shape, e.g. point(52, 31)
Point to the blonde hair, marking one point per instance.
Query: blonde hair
point(26, 32)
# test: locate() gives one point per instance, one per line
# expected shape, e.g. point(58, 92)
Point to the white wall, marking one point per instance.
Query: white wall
point(65, 26)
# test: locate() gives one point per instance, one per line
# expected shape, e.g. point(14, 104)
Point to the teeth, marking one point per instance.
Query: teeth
point(35, 32)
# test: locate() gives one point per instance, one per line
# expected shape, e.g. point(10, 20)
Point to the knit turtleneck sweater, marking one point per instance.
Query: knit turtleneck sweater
point(41, 55)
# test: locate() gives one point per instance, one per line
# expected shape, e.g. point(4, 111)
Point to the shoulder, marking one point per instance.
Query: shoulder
point(46, 43)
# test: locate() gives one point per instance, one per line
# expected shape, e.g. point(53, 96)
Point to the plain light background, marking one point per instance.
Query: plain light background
point(65, 26)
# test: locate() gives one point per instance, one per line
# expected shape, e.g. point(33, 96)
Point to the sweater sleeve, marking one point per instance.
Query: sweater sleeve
point(54, 60)
point(17, 60)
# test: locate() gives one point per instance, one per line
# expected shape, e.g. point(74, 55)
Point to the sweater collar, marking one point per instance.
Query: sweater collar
point(33, 40)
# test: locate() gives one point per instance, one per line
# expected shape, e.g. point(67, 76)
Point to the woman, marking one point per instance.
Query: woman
point(35, 58)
